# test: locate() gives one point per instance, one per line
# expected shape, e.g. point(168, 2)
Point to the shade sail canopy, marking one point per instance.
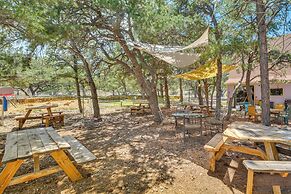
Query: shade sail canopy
point(208, 70)
point(172, 54)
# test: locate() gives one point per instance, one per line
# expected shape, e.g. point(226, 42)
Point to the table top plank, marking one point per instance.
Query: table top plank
point(10, 153)
point(188, 115)
point(62, 144)
point(23, 145)
point(257, 133)
point(35, 141)
point(42, 107)
point(47, 141)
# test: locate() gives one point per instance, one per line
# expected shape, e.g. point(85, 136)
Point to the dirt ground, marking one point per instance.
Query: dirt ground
point(134, 155)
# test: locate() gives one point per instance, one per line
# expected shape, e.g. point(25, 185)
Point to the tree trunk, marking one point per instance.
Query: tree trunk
point(124, 87)
point(218, 89)
point(206, 92)
point(78, 94)
point(93, 89)
point(248, 84)
point(262, 38)
point(195, 90)
point(212, 94)
point(229, 105)
point(181, 89)
point(148, 87)
point(162, 90)
point(200, 98)
point(75, 68)
point(167, 97)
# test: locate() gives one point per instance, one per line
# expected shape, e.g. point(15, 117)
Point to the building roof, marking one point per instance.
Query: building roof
point(280, 75)
point(281, 44)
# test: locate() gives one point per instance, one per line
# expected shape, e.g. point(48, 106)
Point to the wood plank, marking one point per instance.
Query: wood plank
point(47, 141)
point(8, 172)
point(268, 166)
point(28, 118)
point(79, 152)
point(62, 144)
point(244, 149)
point(10, 152)
point(36, 144)
point(35, 175)
point(23, 145)
point(215, 143)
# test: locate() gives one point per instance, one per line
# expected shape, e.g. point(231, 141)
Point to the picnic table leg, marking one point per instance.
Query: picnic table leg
point(272, 154)
point(8, 172)
point(176, 122)
point(50, 113)
point(36, 163)
point(250, 182)
point(25, 118)
point(65, 163)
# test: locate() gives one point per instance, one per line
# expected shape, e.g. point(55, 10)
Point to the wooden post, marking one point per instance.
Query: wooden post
point(272, 154)
point(250, 182)
point(36, 163)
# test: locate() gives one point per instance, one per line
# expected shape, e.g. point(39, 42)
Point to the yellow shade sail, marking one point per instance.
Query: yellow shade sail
point(208, 70)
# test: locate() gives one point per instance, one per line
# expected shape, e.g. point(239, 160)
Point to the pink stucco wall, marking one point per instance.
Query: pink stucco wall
point(276, 99)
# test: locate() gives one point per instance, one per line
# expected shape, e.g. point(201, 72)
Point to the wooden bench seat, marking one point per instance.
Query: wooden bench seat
point(213, 147)
point(78, 152)
point(265, 167)
point(137, 109)
point(18, 118)
point(22, 119)
point(215, 143)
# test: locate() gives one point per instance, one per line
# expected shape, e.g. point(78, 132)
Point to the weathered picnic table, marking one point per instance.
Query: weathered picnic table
point(139, 107)
point(32, 143)
point(247, 131)
point(48, 107)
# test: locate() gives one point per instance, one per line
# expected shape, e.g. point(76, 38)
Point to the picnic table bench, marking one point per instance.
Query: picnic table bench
point(248, 132)
point(282, 167)
point(32, 143)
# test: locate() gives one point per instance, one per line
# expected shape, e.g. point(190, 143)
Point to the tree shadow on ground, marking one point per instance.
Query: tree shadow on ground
point(133, 155)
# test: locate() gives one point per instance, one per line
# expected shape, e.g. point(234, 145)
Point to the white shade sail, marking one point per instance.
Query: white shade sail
point(172, 54)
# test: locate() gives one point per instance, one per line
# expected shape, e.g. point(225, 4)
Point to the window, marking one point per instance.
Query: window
point(276, 92)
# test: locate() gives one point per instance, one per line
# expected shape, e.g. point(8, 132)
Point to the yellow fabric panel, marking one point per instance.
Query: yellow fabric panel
point(206, 71)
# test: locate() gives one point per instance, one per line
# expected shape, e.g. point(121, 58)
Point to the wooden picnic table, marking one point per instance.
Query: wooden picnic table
point(32, 143)
point(247, 131)
point(48, 107)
